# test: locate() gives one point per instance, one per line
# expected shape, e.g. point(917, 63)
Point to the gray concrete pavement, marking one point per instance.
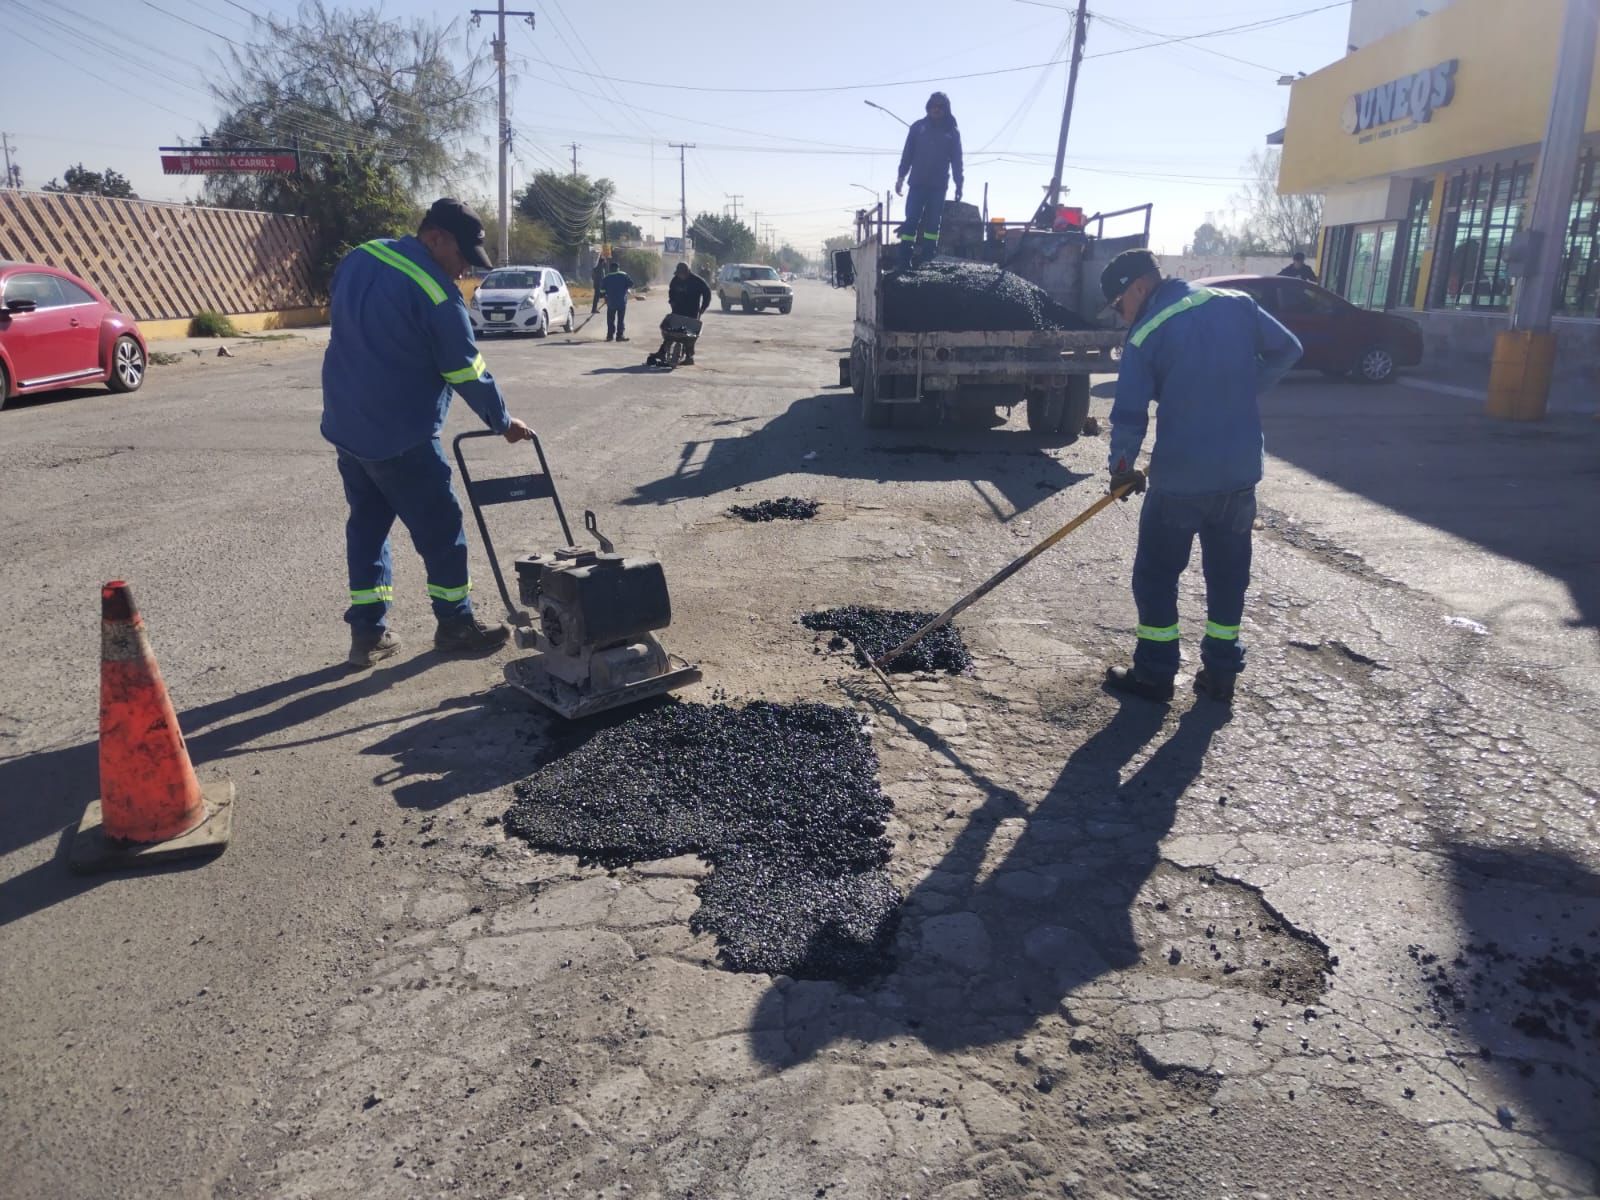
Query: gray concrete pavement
point(1144, 952)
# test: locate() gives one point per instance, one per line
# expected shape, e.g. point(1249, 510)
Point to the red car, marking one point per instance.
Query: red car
point(57, 331)
point(1339, 338)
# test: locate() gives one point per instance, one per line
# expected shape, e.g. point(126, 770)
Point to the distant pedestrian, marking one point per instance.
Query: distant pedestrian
point(1204, 355)
point(599, 273)
point(401, 341)
point(931, 156)
point(1298, 269)
point(616, 285)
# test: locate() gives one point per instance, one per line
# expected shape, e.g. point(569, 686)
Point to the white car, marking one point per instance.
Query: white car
point(521, 300)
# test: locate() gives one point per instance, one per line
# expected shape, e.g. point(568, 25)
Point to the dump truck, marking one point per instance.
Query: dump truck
point(912, 377)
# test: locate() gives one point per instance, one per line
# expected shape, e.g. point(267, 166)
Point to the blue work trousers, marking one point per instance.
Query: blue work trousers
point(414, 486)
point(924, 210)
point(616, 319)
point(1167, 528)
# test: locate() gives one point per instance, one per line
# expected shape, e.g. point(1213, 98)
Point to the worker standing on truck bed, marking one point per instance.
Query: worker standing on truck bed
point(401, 341)
point(931, 156)
point(1204, 355)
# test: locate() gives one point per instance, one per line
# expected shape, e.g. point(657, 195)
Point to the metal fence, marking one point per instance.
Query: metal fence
point(165, 260)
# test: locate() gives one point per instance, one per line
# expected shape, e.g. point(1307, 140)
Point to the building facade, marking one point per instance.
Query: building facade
point(1424, 140)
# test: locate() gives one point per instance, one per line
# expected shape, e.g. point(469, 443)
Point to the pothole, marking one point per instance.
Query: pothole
point(876, 631)
point(1192, 922)
point(783, 508)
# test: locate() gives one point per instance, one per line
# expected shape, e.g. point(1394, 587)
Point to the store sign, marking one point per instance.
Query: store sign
point(1412, 98)
point(247, 163)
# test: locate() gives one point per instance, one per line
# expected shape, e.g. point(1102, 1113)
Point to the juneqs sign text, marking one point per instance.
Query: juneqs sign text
point(1409, 98)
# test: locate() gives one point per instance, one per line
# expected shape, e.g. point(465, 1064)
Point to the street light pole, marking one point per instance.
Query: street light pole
point(500, 13)
point(1524, 354)
point(1080, 26)
point(683, 190)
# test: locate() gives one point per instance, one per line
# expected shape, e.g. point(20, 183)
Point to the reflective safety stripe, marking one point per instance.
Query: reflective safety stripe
point(449, 593)
point(1157, 633)
point(932, 237)
point(908, 237)
point(1194, 299)
point(401, 263)
point(476, 369)
point(1223, 633)
point(381, 594)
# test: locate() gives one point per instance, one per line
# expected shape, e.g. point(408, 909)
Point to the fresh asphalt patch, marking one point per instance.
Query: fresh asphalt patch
point(784, 508)
point(969, 296)
point(783, 801)
point(876, 631)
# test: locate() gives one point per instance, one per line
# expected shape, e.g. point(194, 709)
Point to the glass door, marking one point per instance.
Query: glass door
point(1371, 262)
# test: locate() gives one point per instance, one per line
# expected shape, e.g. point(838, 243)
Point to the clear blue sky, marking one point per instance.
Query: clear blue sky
point(1169, 124)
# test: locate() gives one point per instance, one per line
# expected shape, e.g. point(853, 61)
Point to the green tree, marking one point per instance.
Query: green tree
point(789, 259)
point(83, 182)
point(623, 231)
point(380, 109)
point(843, 242)
point(531, 242)
point(728, 239)
point(568, 205)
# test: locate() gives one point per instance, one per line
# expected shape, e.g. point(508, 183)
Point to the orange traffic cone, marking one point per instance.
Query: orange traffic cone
point(151, 807)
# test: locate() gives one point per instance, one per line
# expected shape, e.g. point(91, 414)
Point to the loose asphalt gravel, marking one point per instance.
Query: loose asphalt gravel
point(783, 801)
point(970, 296)
point(784, 508)
point(876, 631)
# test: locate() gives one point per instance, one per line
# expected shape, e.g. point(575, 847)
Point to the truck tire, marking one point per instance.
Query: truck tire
point(873, 414)
point(727, 305)
point(1076, 410)
point(1045, 410)
point(858, 365)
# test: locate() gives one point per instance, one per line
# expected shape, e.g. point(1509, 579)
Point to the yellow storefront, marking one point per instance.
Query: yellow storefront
point(1425, 144)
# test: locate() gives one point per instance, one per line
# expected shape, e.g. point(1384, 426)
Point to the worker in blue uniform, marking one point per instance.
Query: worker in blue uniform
point(401, 341)
point(932, 155)
point(1204, 355)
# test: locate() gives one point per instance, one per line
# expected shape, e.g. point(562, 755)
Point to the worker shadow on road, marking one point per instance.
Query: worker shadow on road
point(1524, 989)
point(44, 794)
point(981, 955)
point(1010, 470)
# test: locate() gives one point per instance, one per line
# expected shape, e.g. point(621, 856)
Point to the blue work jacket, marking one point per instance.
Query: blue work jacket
point(1203, 355)
point(401, 341)
point(932, 154)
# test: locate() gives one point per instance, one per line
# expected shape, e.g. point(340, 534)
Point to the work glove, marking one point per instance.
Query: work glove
point(1131, 476)
point(899, 187)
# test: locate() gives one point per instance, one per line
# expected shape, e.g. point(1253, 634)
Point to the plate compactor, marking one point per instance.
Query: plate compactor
point(590, 614)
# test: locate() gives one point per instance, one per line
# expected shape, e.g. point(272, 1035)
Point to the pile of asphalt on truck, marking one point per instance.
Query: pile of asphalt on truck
point(782, 800)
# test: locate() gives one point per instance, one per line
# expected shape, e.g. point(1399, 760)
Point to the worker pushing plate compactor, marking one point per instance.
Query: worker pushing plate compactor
point(592, 614)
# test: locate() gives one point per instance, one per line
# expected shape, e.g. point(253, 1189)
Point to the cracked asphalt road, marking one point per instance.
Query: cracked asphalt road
point(1144, 952)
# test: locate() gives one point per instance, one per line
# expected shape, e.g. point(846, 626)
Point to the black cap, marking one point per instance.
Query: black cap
point(466, 226)
point(1124, 269)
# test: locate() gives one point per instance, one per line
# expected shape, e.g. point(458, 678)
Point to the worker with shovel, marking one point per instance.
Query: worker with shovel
point(1204, 355)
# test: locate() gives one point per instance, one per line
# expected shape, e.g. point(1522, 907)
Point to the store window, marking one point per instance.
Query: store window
point(1482, 210)
point(1335, 258)
point(1579, 292)
point(1413, 242)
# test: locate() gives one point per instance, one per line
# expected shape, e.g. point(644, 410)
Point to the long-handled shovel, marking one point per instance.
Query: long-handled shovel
point(988, 585)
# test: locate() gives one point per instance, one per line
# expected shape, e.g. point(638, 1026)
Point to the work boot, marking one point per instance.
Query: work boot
point(469, 635)
point(653, 361)
point(609, 338)
point(620, 338)
point(1130, 682)
point(371, 646)
point(1214, 684)
point(688, 360)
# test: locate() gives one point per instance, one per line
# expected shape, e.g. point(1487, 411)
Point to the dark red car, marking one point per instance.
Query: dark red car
point(1339, 338)
point(57, 331)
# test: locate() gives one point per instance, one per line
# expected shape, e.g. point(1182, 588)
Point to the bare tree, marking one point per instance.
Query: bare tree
point(1278, 224)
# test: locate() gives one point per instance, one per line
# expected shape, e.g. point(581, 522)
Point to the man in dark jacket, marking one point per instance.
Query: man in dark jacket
point(599, 273)
point(1204, 355)
point(616, 285)
point(687, 296)
point(401, 341)
point(931, 156)
point(1298, 269)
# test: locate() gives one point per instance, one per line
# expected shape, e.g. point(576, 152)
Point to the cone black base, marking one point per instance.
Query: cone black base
point(93, 851)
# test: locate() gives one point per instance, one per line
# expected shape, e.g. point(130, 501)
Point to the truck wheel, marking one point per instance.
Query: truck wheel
point(1045, 410)
point(744, 302)
point(858, 365)
point(727, 305)
point(873, 414)
point(1076, 409)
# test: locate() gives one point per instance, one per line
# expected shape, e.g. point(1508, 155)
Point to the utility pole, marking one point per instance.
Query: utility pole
point(735, 197)
point(499, 43)
point(1080, 29)
point(683, 189)
point(574, 146)
point(1524, 354)
point(11, 175)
